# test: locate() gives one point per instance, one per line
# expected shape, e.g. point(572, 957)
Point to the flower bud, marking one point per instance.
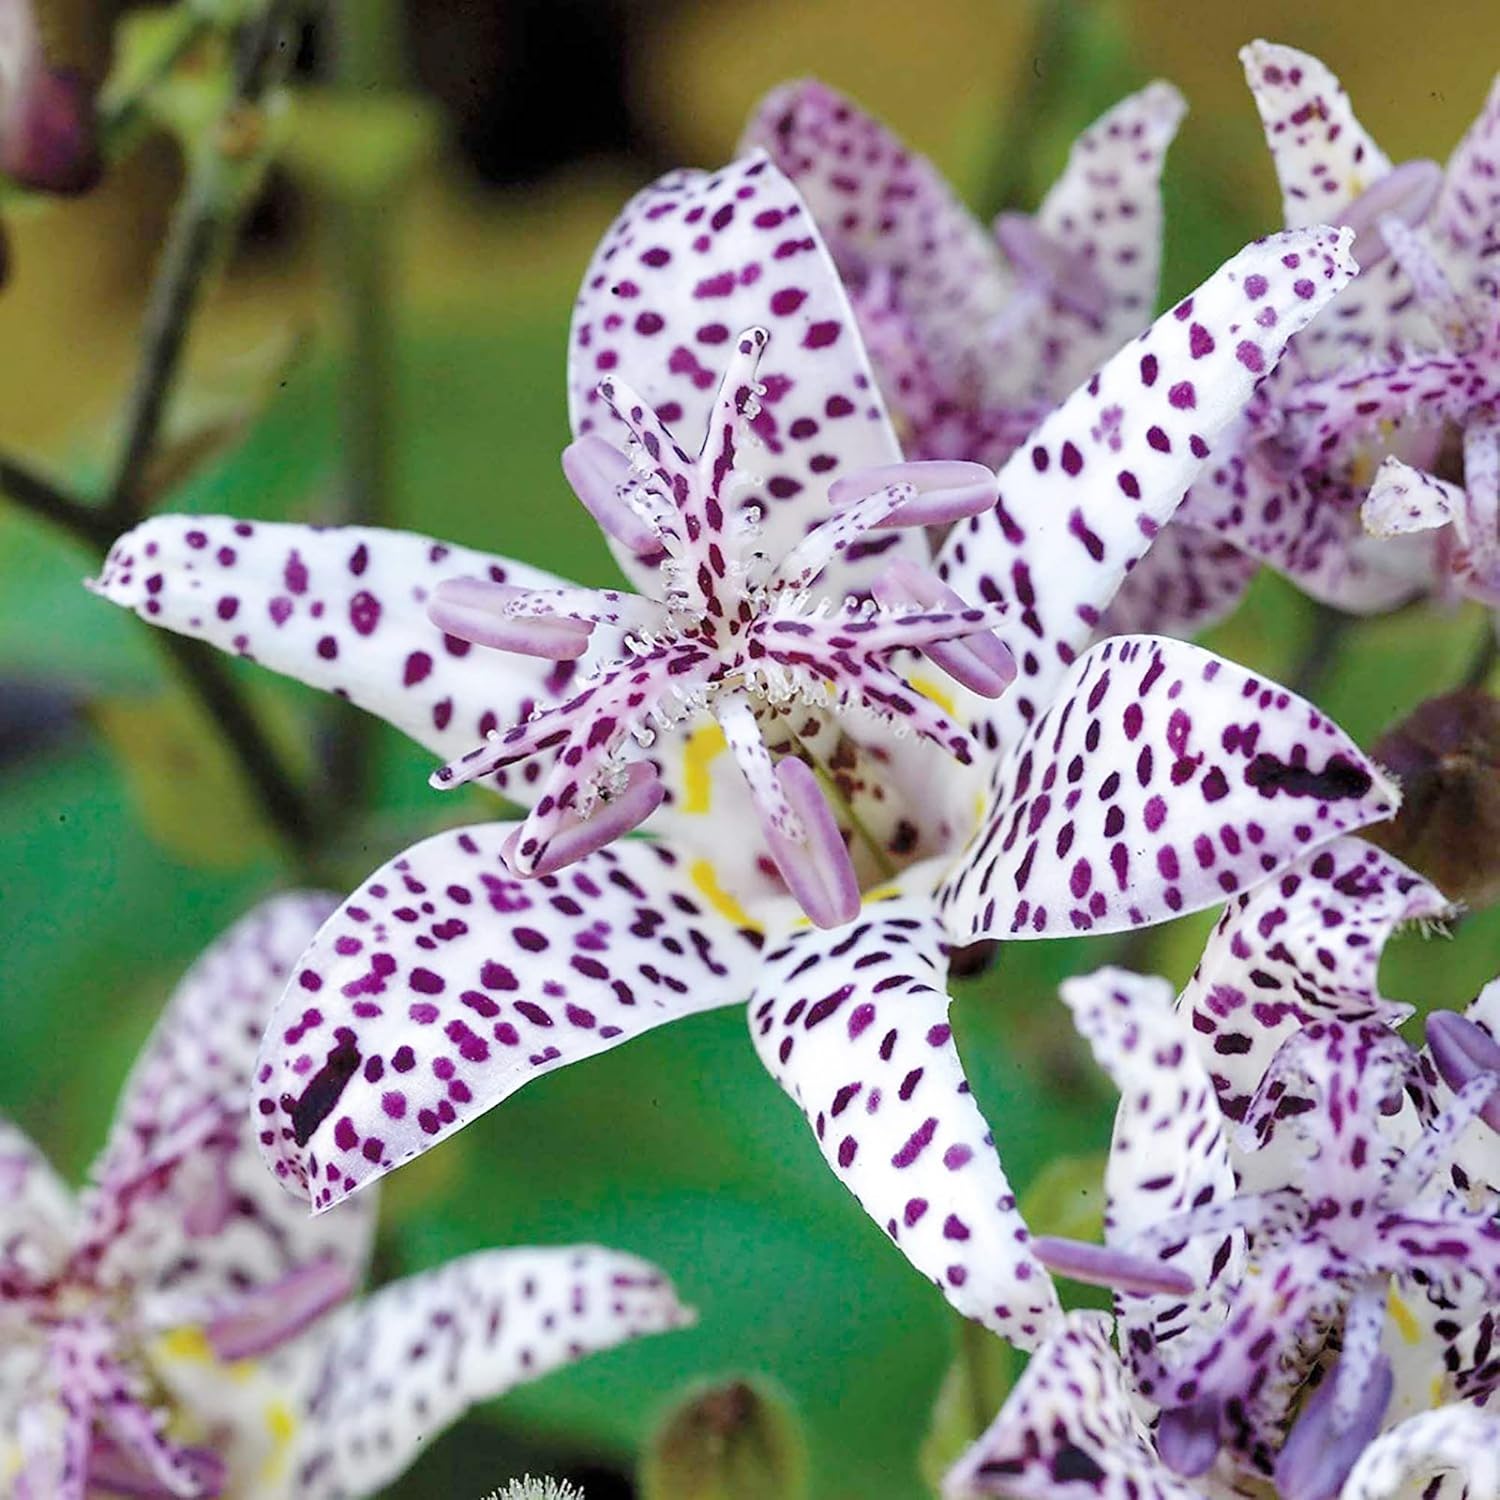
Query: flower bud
point(48, 136)
point(1447, 758)
point(737, 1439)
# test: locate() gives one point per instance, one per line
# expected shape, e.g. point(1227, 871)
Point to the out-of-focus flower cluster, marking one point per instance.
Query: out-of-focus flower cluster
point(916, 516)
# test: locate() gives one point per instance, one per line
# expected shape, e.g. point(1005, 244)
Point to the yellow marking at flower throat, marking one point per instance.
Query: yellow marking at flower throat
point(706, 878)
point(703, 746)
point(1401, 1315)
point(937, 693)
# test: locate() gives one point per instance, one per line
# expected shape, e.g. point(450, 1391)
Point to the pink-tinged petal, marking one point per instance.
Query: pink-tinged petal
point(1324, 157)
point(1161, 780)
point(691, 263)
point(1085, 496)
point(1468, 208)
point(37, 1212)
point(344, 609)
point(1169, 1153)
point(888, 217)
point(1105, 211)
point(1457, 1440)
point(398, 1368)
point(853, 1025)
point(184, 1210)
point(1303, 947)
point(443, 984)
point(1069, 1428)
point(1188, 581)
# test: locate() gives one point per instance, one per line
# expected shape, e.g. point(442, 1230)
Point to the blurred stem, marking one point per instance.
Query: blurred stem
point(1043, 70)
point(122, 120)
point(1327, 631)
point(986, 1394)
point(205, 214)
point(285, 806)
point(369, 51)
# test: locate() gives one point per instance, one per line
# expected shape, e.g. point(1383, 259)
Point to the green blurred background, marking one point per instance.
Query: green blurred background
point(127, 841)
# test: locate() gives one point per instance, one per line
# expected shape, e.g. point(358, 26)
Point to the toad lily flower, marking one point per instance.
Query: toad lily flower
point(1282, 1360)
point(1408, 357)
point(172, 1332)
point(484, 957)
point(976, 333)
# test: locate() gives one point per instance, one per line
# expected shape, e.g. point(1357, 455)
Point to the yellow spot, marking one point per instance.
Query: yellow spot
point(1401, 1315)
point(703, 745)
point(706, 878)
point(190, 1345)
point(280, 1422)
point(887, 892)
point(935, 691)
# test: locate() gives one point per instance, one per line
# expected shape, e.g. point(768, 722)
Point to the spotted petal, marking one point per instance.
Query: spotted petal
point(1069, 1428)
point(1082, 501)
point(36, 1209)
point(1303, 947)
point(221, 1224)
point(1106, 210)
point(398, 1368)
point(853, 1024)
point(1161, 779)
point(1169, 1153)
point(344, 609)
point(888, 216)
point(1465, 216)
point(1458, 1440)
point(443, 984)
point(1324, 157)
point(692, 262)
point(1188, 581)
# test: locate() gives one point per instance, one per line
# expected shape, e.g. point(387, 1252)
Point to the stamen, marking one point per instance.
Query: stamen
point(1187, 1438)
point(1098, 1265)
point(614, 494)
point(981, 662)
point(1403, 500)
point(817, 867)
point(1434, 291)
point(1064, 274)
point(475, 609)
point(612, 817)
point(1463, 1052)
point(944, 491)
point(1319, 1451)
point(267, 1317)
point(1406, 192)
point(803, 564)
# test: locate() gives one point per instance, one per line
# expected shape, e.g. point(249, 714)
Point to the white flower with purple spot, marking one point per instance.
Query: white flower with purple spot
point(752, 707)
point(182, 1328)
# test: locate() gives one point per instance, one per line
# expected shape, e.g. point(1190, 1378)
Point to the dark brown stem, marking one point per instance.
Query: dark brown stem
point(34, 492)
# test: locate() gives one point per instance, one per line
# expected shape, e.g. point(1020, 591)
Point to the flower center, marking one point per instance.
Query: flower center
point(753, 641)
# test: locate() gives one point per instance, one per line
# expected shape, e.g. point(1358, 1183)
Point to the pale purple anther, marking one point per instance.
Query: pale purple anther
point(1098, 1265)
point(1064, 274)
point(613, 492)
point(816, 867)
point(475, 609)
point(1406, 192)
point(639, 795)
point(1462, 1052)
point(276, 1311)
point(981, 661)
point(1320, 1451)
point(947, 490)
point(1187, 1438)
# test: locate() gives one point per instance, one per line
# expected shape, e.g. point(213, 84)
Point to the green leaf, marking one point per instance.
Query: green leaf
point(973, 1390)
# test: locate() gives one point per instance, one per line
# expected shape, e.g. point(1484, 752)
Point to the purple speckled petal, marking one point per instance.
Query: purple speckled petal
point(1168, 1154)
point(1188, 581)
point(1083, 499)
point(1457, 1440)
point(1160, 780)
point(1070, 1428)
point(398, 1368)
point(892, 223)
point(1302, 947)
point(37, 1212)
point(1324, 157)
point(1105, 212)
point(1468, 208)
point(854, 1026)
point(344, 609)
point(219, 1225)
point(691, 263)
point(443, 984)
